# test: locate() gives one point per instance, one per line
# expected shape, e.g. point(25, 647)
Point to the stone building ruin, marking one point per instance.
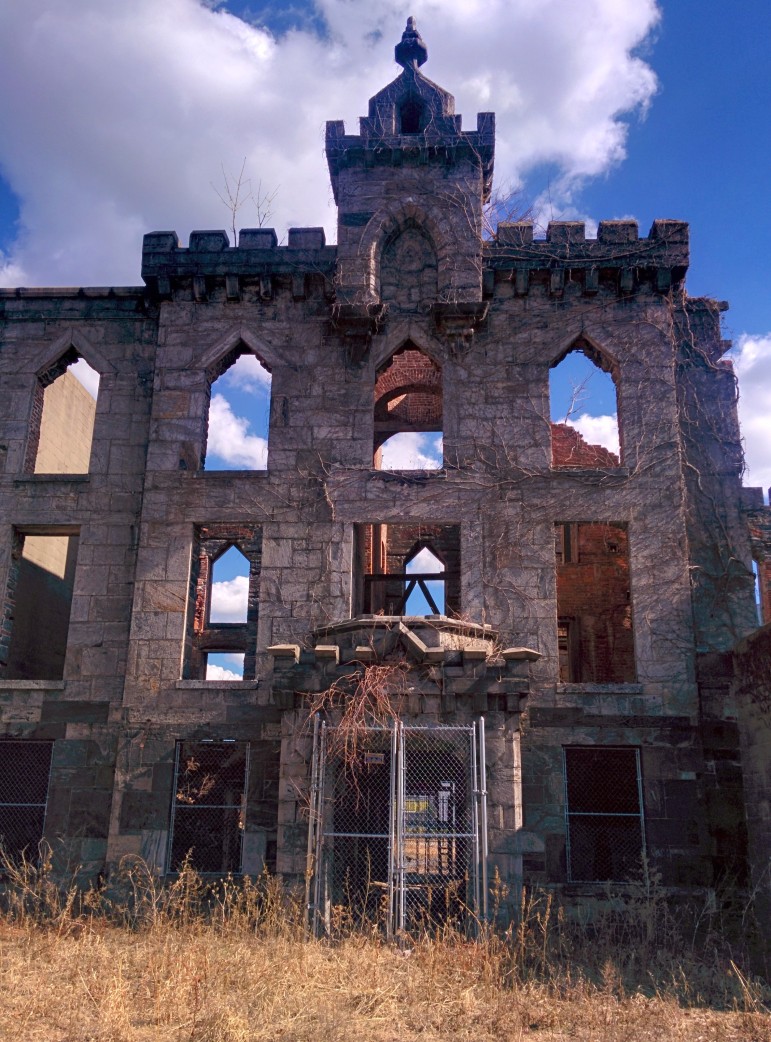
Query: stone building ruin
point(590, 602)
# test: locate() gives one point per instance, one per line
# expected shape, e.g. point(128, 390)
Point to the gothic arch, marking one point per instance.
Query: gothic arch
point(70, 343)
point(239, 340)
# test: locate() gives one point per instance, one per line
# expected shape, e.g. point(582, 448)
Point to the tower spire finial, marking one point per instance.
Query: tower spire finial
point(411, 52)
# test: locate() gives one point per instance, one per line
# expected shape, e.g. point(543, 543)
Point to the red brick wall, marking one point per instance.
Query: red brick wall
point(593, 592)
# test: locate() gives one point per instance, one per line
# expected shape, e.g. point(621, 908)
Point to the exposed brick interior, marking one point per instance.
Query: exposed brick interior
point(570, 449)
point(386, 549)
point(408, 395)
point(594, 603)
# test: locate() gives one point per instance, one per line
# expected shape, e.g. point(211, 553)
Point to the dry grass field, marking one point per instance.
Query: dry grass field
point(234, 965)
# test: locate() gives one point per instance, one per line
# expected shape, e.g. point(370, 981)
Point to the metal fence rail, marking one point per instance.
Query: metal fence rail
point(397, 829)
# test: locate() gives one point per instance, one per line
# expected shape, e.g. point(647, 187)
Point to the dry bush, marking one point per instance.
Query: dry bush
point(228, 961)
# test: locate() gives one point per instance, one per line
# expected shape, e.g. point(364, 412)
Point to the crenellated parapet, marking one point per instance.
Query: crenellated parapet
point(566, 254)
point(209, 262)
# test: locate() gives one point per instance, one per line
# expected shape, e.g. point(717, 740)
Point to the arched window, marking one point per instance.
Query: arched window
point(412, 116)
point(62, 424)
point(239, 413)
point(424, 594)
point(408, 412)
point(584, 409)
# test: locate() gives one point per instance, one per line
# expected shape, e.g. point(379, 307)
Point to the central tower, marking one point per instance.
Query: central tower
point(410, 188)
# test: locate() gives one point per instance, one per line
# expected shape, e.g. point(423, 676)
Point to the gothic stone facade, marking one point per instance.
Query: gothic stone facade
point(591, 601)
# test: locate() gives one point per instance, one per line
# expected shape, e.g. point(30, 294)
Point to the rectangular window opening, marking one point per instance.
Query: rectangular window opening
point(221, 637)
point(25, 768)
point(208, 815)
point(407, 569)
point(604, 811)
point(38, 604)
point(594, 611)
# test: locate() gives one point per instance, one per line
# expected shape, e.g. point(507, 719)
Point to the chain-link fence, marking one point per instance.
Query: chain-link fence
point(208, 810)
point(25, 768)
point(603, 799)
point(397, 829)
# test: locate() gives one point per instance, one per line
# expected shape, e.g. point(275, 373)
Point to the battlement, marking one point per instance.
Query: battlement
point(209, 255)
point(618, 250)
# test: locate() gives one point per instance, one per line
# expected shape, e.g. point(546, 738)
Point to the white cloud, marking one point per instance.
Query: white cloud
point(425, 561)
point(230, 440)
point(752, 361)
point(248, 374)
point(215, 671)
point(229, 600)
point(412, 451)
point(598, 430)
point(87, 376)
point(124, 114)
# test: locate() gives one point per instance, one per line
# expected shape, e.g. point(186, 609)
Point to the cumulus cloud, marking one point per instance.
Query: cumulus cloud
point(598, 430)
point(220, 670)
point(248, 374)
point(231, 441)
point(229, 600)
point(425, 561)
point(412, 451)
point(124, 114)
point(752, 361)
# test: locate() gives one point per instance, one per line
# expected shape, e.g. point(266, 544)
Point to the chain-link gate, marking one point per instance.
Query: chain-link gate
point(398, 828)
point(25, 768)
point(604, 812)
point(209, 806)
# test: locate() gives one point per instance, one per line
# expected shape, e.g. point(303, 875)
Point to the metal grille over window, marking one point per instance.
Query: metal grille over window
point(25, 768)
point(398, 831)
point(605, 829)
point(208, 814)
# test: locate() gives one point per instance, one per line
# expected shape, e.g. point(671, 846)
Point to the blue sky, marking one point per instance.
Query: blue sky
point(122, 115)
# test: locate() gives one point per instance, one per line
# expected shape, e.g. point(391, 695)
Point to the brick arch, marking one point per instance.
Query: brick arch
point(408, 393)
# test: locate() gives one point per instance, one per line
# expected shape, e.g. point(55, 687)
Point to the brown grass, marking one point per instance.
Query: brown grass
point(232, 964)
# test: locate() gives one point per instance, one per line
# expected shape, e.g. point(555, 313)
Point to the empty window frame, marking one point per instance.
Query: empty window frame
point(408, 569)
point(208, 814)
point(62, 422)
point(224, 591)
point(25, 768)
point(408, 412)
point(584, 409)
point(239, 413)
point(37, 606)
point(604, 812)
point(594, 610)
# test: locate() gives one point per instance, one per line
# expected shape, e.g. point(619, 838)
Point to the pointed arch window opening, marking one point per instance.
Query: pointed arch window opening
point(238, 421)
point(584, 403)
point(408, 412)
point(221, 638)
point(408, 569)
point(424, 594)
point(62, 421)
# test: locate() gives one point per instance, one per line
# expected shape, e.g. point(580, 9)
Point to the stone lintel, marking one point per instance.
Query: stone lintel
point(520, 654)
point(285, 651)
point(330, 652)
